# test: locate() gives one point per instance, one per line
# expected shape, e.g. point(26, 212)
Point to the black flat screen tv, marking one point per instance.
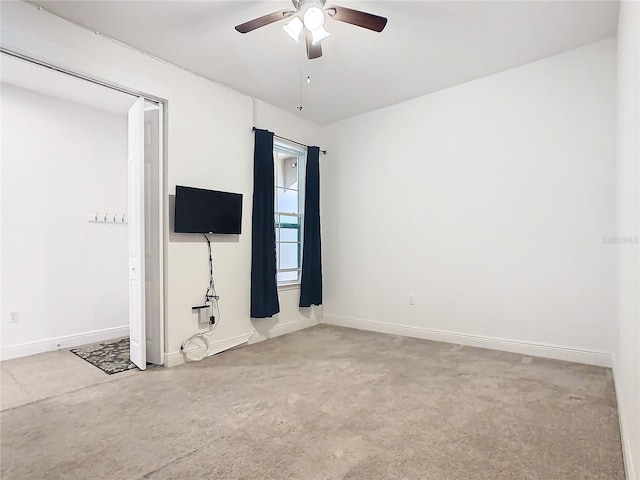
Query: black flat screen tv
point(207, 211)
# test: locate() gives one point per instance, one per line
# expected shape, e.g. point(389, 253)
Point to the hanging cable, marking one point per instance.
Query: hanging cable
point(210, 299)
point(211, 291)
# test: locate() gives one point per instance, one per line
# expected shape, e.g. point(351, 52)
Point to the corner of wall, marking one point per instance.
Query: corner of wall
point(623, 422)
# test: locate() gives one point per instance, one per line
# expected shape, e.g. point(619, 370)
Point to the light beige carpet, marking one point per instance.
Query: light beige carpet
point(328, 403)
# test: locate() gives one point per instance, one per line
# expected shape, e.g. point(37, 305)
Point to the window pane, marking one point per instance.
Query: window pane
point(286, 170)
point(289, 255)
point(287, 276)
point(287, 220)
point(288, 234)
point(286, 200)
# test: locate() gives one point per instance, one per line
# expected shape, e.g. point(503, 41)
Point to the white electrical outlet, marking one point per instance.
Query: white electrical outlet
point(14, 316)
point(412, 299)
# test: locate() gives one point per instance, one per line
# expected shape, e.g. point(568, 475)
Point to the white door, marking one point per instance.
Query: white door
point(138, 352)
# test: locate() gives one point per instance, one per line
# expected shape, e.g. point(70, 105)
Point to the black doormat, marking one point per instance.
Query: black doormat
point(111, 356)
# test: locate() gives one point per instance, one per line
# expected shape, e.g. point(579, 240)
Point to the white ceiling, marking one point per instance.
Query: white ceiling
point(426, 46)
point(49, 82)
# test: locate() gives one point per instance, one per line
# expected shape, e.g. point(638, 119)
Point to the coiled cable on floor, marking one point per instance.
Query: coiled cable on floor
point(183, 347)
point(201, 335)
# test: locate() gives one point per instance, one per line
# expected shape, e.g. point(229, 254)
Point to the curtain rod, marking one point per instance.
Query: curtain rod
point(289, 140)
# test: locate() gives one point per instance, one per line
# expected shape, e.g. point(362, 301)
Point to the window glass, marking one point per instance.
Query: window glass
point(289, 209)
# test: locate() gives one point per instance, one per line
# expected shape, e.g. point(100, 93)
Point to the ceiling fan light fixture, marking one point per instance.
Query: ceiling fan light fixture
point(318, 35)
point(313, 18)
point(294, 28)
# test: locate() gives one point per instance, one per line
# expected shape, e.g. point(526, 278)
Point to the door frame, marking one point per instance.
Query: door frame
point(162, 221)
point(163, 200)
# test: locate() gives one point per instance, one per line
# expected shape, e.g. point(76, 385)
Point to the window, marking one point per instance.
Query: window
point(289, 163)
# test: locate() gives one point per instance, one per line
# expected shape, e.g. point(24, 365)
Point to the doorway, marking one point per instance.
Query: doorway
point(82, 91)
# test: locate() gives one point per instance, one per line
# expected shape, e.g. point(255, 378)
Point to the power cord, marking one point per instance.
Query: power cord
point(211, 294)
point(210, 299)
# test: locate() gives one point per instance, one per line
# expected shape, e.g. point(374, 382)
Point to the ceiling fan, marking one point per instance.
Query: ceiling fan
point(310, 15)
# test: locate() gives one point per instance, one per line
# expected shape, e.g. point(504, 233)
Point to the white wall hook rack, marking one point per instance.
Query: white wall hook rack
point(112, 218)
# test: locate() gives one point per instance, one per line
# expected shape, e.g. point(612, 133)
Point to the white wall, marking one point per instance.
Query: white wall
point(210, 145)
point(627, 358)
point(67, 277)
point(488, 202)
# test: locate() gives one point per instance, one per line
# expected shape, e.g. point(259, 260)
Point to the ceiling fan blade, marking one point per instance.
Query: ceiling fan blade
point(313, 51)
point(262, 21)
point(356, 17)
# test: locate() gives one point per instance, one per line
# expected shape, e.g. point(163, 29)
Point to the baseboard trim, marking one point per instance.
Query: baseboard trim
point(282, 330)
point(176, 358)
point(601, 359)
point(627, 454)
point(58, 343)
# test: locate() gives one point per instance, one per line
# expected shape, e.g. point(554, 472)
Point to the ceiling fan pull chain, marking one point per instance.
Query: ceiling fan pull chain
point(300, 86)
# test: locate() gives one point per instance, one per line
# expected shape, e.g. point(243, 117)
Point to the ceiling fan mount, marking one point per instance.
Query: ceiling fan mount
point(299, 4)
point(309, 17)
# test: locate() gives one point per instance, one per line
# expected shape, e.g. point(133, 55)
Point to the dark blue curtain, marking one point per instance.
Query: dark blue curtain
point(264, 289)
point(311, 283)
